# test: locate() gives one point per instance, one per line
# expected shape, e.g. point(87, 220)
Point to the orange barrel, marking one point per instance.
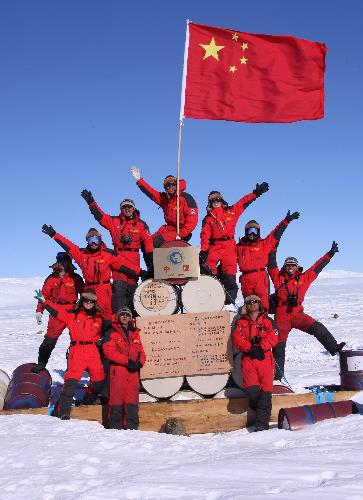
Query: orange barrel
point(27, 389)
point(351, 370)
point(298, 417)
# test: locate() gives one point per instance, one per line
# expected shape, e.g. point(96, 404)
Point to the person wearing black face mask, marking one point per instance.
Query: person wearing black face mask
point(96, 262)
point(129, 235)
point(252, 257)
point(84, 323)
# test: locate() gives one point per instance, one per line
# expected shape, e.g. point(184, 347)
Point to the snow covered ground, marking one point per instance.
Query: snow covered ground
point(44, 458)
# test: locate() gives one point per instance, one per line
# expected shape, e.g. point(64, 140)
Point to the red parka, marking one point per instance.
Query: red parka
point(246, 328)
point(62, 291)
point(188, 207)
point(118, 348)
point(220, 223)
point(119, 226)
point(96, 266)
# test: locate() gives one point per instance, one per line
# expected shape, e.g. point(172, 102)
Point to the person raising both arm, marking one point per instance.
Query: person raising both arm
point(291, 285)
point(62, 287)
point(167, 200)
point(84, 323)
point(129, 234)
point(217, 236)
point(252, 257)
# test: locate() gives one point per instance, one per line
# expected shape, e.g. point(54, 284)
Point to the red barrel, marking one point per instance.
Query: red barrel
point(351, 370)
point(27, 389)
point(299, 416)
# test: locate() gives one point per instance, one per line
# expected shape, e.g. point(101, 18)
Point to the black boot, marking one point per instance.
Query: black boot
point(253, 393)
point(132, 417)
point(63, 410)
point(45, 350)
point(230, 284)
point(263, 411)
point(279, 356)
point(326, 339)
point(115, 417)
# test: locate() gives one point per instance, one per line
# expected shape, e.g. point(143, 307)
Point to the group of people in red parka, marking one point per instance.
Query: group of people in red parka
point(100, 305)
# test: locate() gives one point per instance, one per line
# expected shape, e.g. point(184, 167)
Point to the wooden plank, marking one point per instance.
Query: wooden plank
point(198, 416)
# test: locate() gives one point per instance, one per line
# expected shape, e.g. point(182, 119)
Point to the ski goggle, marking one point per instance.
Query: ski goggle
point(94, 240)
point(126, 206)
point(170, 184)
point(252, 230)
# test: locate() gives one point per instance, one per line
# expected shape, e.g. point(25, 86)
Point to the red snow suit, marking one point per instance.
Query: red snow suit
point(96, 268)
point(252, 258)
point(85, 332)
point(64, 292)
point(119, 346)
point(119, 227)
point(188, 212)
point(217, 235)
point(256, 372)
point(288, 317)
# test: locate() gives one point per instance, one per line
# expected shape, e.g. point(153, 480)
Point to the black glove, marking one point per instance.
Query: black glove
point(256, 352)
point(334, 249)
point(289, 217)
point(203, 256)
point(49, 230)
point(148, 258)
point(256, 340)
point(261, 188)
point(87, 195)
point(133, 366)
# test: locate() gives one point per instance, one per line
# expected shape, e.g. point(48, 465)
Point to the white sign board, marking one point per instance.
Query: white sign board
point(176, 263)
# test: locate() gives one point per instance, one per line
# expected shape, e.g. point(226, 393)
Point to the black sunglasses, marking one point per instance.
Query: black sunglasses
point(254, 301)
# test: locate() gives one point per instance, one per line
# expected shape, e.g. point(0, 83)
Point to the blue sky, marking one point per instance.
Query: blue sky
point(89, 88)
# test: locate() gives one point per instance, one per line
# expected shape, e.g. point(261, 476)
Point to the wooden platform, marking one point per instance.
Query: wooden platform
point(198, 416)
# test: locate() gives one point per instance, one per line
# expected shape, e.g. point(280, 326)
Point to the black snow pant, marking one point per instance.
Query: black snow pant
point(279, 356)
point(230, 284)
point(117, 417)
point(261, 403)
point(63, 410)
point(326, 339)
point(45, 350)
point(122, 295)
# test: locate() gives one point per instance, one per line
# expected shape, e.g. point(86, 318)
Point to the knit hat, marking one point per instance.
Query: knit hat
point(127, 201)
point(215, 195)
point(243, 309)
point(292, 261)
point(89, 294)
point(93, 232)
point(169, 178)
point(124, 310)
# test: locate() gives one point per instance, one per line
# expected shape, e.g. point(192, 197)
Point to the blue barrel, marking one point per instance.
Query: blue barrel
point(27, 389)
point(351, 370)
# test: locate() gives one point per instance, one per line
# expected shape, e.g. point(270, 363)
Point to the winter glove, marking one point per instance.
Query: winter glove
point(256, 352)
point(135, 172)
point(289, 217)
point(334, 249)
point(39, 317)
point(133, 366)
point(49, 230)
point(87, 195)
point(38, 295)
point(255, 340)
point(261, 188)
point(203, 256)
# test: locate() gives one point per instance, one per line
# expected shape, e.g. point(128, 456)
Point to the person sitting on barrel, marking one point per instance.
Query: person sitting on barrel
point(255, 336)
point(124, 357)
point(84, 324)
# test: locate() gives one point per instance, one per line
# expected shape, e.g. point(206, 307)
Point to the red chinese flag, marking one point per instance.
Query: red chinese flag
point(230, 75)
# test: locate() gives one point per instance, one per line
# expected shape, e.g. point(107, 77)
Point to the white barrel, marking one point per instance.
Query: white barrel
point(208, 385)
point(236, 372)
point(206, 294)
point(4, 382)
point(146, 398)
point(163, 387)
point(185, 396)
point(230, 393)
point(155, 298)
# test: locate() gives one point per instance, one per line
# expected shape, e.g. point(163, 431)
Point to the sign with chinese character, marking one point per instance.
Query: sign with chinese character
point(176, 263)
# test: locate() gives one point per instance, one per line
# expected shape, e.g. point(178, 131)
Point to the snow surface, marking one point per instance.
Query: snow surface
point(44, 458)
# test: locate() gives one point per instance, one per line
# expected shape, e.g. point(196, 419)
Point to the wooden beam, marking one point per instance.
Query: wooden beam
point(198, 416)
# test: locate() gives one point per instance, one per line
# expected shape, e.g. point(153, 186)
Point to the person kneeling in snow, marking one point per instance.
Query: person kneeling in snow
point(291, 285)
point(84, 324)
point(255, 336)
point(124, 352)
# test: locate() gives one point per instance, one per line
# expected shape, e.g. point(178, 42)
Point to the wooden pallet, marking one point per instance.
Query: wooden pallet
point(198, 416)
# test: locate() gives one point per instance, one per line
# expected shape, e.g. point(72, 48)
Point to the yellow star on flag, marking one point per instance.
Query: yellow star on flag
point(212, 49)
point(234, 36)
point(232, 69)
point(244, 46)
point(243, 60)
